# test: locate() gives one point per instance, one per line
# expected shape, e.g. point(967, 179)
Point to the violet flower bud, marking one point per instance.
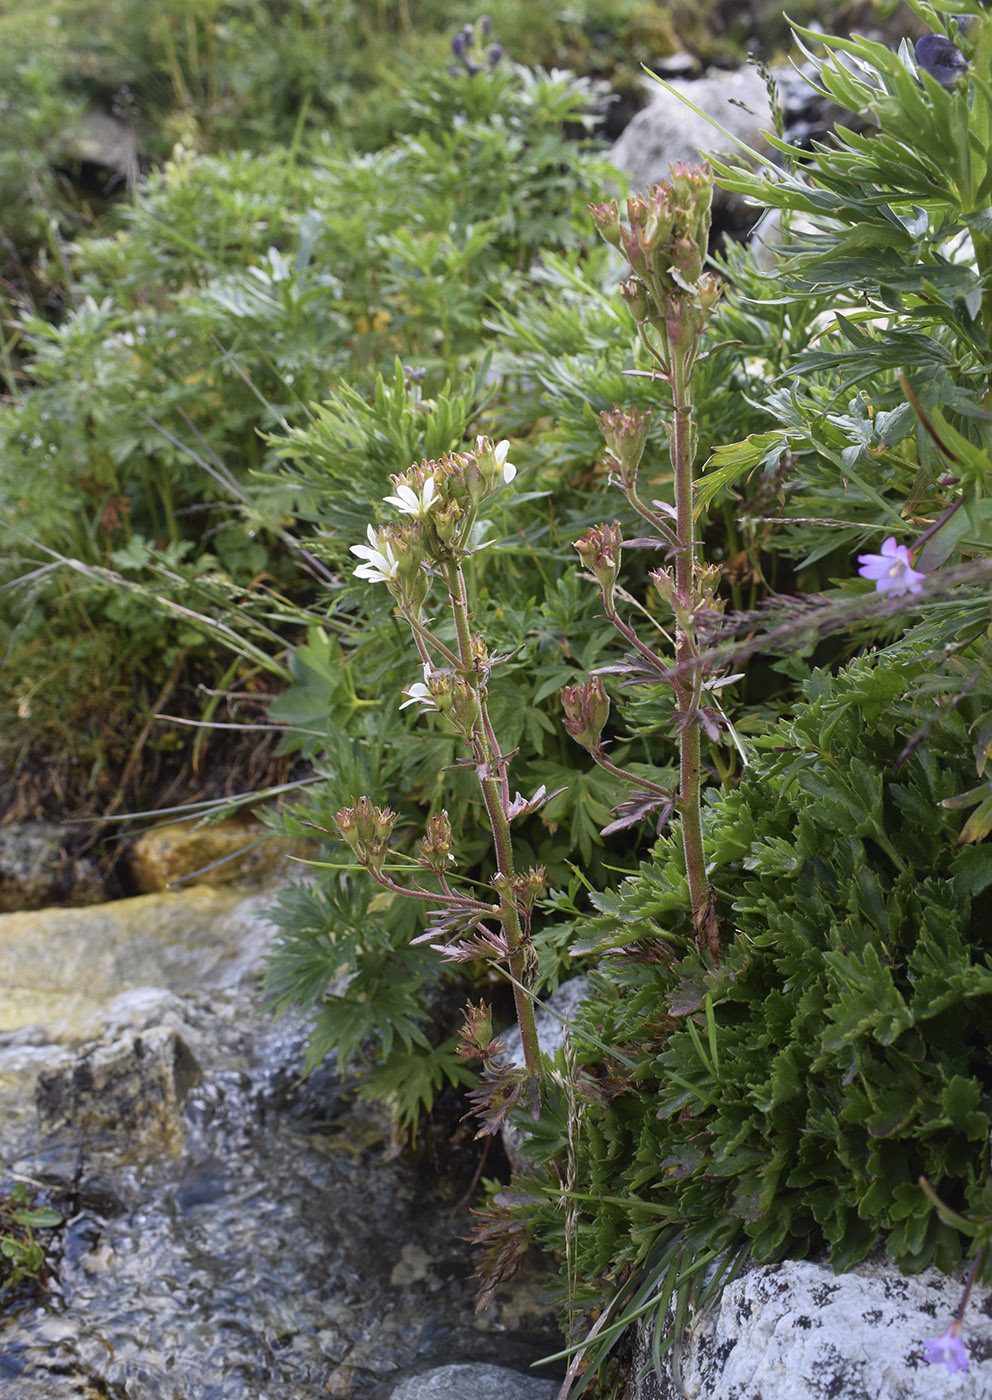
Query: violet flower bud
point(587, 708)
point(940, 58)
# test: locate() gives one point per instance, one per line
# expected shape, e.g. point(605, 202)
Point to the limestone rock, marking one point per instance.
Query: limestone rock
point(38, 868)
point(230, 852)
point(58, 967)
point(667, 130)
point(134, 1086)
point(552, 1020)
point(797, 1331)
point(475, 1382)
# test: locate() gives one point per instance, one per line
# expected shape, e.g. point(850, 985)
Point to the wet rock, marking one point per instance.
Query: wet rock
point(38, 868)
point(134, 1086)
point(797, 1331)
point(470, 1382)
point(231, 852)
point(104, 140)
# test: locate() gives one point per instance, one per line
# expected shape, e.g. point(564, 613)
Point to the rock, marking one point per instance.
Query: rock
point(38, 868)
point(667, 130)
point(104, 140)
point(798, 1331)
point(552, 1018)
point(230, 852)
point(135, 1086)
point(59, 967)
point(473, 1382)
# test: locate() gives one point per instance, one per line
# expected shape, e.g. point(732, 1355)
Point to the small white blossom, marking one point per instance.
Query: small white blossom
point(381, 563)
point(499, 452)
point(418, 693)
point(499, 455)
point(408, 502)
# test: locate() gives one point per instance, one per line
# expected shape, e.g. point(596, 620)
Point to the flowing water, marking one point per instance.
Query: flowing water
point(283, 1251)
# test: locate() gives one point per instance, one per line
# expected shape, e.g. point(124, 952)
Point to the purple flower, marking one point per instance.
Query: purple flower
point(941, 59)
point(947, 1350)
point(892, 570)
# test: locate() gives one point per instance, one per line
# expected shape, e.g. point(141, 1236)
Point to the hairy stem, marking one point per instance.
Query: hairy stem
point(683, 451)
point(494, 784)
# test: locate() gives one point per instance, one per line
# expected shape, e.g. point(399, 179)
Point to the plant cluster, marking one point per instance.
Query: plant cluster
point(238, 290)
point(23, 1255)
point(417, 394)
point(786, 1049)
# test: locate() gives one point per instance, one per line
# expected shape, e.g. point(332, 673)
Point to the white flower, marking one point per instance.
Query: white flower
point(499, 456)
point(407, 501)
point(381, 563)
point(418, 693)
point(499, 452)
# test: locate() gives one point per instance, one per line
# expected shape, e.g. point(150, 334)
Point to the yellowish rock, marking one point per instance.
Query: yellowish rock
point(236, 851)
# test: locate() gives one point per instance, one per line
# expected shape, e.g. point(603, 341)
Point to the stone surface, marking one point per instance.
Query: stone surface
point(552, 1018)
point(59, 967)
point(105, 140)
point(38, 868)
point(136, 1085)
point(230, 852)
point(473, 1382)
point(797, 1331)
point(667, 130)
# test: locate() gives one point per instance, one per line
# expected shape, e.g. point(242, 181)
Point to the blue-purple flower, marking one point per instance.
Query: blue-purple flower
point(892, 570)
point(948, 1350)
point(941, 59)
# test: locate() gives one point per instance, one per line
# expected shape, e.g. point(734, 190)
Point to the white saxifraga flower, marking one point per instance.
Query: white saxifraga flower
point(499, 454)
point(408, 502)
point(380, 564)
point(418, 693)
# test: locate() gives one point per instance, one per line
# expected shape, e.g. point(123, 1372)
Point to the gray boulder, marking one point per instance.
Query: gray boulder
point(474, 1382)
point(667, 130)
point(797, 1331)
point(134, 1086)
point(38, 867)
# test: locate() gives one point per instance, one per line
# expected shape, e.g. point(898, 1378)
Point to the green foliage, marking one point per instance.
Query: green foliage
point(152, 419)
point(23, 1255)
point(792, 1097)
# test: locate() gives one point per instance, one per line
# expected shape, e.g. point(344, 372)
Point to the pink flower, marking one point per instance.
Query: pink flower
point(948, 1350)
point(892, 570)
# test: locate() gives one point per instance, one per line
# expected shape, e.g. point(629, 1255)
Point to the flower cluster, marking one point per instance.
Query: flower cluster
point(664, 238)
point(472, 49)
point(439, 501)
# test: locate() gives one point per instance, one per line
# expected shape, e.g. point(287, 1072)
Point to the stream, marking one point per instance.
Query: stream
point(271, 1243)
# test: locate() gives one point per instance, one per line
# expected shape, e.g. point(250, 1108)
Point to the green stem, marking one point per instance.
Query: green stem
point(683, 451)
point(494, 784)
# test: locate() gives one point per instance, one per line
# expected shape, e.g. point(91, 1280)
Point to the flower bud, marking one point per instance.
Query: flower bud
point(664, 581)
point(587, 708)
point(435, 845)
point(477, 1033)
point(465, 710)
point(599, 551)
point(625, 431)
point(606, 217)
point(636, 297)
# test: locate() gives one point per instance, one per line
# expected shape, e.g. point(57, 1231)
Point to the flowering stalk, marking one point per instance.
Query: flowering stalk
point(664, 238)
point(439, 502)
